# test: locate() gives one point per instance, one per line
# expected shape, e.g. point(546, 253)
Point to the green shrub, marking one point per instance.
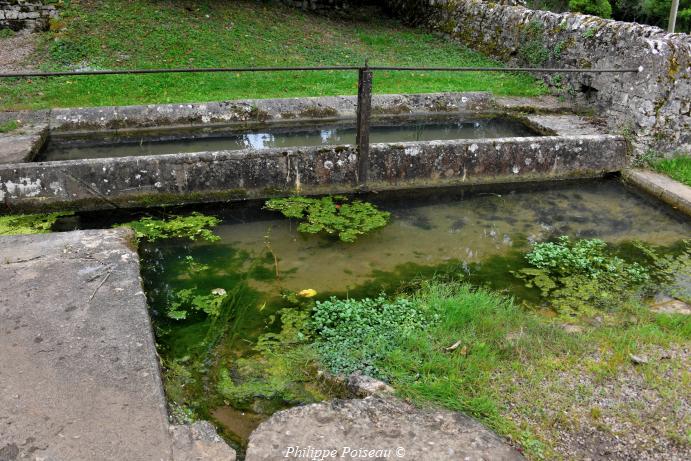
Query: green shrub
point(333, 215)
point(600, 8)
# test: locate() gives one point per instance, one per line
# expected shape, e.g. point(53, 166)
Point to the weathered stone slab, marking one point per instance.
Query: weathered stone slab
point(79, 376)
point(536, 104)
point(342, 428)
point(23, 146)
point(566, 125)
point(233, 175)
point(662, 187)
point(176, 116)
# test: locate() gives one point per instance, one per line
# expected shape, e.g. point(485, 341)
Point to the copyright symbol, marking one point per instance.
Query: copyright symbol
point(400, 452)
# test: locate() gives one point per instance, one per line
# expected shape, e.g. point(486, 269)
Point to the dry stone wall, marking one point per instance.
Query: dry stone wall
point(321, 6)
point(653, 107)
point(20, 15)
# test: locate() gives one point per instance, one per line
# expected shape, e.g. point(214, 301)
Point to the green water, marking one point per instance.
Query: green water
point(478, 237)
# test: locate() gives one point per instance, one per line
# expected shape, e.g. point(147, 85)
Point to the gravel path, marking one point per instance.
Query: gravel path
point(15, 52)
point(624, 417)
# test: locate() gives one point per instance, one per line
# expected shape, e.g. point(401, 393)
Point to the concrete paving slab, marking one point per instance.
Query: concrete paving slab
point(79, 377)
point(662, 187)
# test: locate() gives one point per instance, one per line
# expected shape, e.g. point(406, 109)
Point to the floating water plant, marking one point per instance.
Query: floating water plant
point(333, 215)
point(29, 223)
point(580, 277)
point(195, 226)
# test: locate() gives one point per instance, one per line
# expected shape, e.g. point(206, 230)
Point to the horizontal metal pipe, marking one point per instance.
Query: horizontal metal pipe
point(300, 69)
point(502, 69)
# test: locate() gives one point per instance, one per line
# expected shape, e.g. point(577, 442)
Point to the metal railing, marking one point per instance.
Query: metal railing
point(364, 97)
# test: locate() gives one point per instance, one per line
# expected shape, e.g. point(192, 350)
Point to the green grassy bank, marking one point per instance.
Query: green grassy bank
point(678, 168)
point(113, 34)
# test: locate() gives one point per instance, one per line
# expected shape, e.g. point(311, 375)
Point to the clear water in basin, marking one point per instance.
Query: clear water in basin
point(410, 130)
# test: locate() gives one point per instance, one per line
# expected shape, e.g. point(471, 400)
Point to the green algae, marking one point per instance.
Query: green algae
point(29, 223)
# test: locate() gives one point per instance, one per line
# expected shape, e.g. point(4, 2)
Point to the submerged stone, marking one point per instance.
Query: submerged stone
point(199, 442)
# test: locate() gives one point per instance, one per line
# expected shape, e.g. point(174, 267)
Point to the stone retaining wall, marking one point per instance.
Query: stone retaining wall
point(26, 15)
point(653, 107)
point(322, 6)
point(228, 175)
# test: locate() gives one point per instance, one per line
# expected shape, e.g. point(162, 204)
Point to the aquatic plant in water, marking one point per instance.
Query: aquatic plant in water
point(333, 215)
point(29, 223)
point(188, 301)
point(355, 335)
point(584, 277)
point(283, 370)
point(195, 226)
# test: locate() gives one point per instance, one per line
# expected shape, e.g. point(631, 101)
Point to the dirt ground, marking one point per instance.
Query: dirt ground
point(15, 52)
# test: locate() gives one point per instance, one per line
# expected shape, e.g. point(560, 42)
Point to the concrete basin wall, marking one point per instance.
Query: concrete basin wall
point(236, 175)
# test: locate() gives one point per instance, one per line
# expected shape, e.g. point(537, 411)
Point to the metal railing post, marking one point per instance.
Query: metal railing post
point(364, 110)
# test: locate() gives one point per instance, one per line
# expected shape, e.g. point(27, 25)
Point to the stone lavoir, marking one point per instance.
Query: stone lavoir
point(653, 107)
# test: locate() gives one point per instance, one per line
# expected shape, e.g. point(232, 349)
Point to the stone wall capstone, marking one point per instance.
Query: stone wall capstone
point(30, 15)
point(652, 107)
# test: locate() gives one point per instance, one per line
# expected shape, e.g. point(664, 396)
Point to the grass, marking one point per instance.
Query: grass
point(678, 168)
point(10, 125)
point(524, 375)
point(112, 34)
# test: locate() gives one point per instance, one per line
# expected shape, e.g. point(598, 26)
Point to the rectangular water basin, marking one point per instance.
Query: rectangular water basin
point(335, 133)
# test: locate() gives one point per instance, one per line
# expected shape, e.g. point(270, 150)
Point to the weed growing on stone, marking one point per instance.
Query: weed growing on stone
point(9, 126)
point(335, 215)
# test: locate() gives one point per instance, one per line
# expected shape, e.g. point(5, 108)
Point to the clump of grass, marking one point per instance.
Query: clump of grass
point(678, 168)
point(8, 126)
